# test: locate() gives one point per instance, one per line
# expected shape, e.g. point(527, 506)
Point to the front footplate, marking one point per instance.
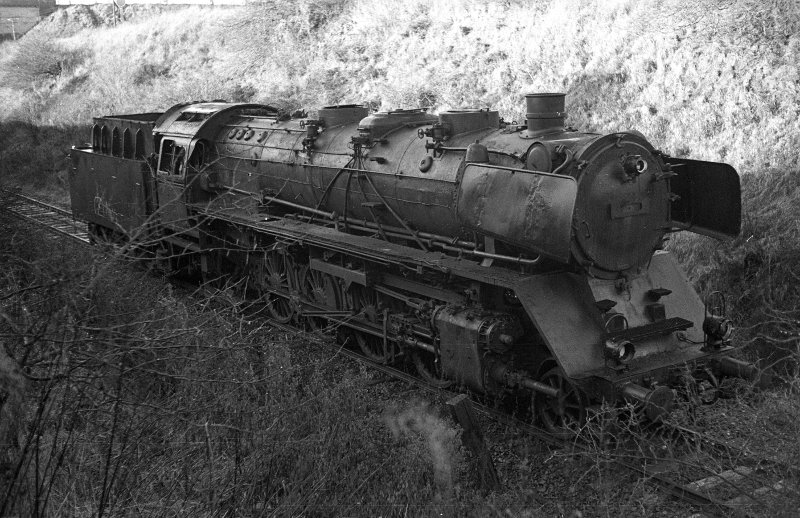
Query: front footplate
point(637, 334)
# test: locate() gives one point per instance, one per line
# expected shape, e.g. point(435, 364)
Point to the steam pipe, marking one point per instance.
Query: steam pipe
point(439, 242)
point(519, 260)
point(322, 213)
point(413, 342)
point(500, 372)
point(538, 386)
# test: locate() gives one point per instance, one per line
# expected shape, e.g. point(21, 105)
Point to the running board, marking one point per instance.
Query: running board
point(641, 333)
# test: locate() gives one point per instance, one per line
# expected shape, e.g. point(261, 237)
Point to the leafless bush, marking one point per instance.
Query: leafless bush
point(140, 400)
point(36, 156)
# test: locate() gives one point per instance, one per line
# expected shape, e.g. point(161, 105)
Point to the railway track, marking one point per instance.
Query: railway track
point(55, 219)
point(740, 489)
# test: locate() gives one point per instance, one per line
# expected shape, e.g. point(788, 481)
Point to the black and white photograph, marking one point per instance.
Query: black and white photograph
point(409, 258)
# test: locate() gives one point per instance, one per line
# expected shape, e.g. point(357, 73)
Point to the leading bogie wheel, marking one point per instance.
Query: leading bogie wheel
point(564, 415)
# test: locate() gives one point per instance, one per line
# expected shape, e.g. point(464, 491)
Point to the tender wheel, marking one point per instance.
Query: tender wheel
point(277, 268)
point(562, 416)
point(320, 289)
point(429, 368)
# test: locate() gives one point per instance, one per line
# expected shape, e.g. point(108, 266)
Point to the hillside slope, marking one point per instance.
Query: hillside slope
point(697, 78)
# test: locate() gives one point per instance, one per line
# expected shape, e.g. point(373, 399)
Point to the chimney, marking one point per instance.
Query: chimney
point(545, 113)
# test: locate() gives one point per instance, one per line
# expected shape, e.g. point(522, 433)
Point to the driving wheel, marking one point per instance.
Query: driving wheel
point(277, 268)
point(366, 304)
point(429, 368)
point(321, 290)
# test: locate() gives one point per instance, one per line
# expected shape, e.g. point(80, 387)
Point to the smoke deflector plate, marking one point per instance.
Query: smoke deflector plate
point(530, 209)
point(709, 198)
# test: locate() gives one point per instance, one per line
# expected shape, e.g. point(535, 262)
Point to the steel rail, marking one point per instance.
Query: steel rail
point(55, 219)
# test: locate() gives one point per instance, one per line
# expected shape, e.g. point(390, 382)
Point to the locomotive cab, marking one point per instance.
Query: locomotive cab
point(171, 179)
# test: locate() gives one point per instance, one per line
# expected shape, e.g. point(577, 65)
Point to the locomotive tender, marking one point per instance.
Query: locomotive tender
point(503, 257)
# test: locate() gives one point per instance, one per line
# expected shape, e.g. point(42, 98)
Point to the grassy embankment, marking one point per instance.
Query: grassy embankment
point(700, 80)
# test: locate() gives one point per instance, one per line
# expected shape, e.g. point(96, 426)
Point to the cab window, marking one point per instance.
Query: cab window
point(171, 159)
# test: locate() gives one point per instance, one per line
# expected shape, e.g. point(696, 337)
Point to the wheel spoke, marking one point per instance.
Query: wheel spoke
point(562, 415)
point(319, 289)
point(429, 368)
point(365, 305)
point(276, 274)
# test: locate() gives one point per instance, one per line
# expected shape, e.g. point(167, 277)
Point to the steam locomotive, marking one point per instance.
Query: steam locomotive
point(505, 258)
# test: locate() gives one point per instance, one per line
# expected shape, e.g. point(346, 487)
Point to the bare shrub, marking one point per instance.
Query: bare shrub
point(141, 400)
point(36, 156)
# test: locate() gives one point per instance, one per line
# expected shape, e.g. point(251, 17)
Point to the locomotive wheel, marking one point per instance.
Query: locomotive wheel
point(321, 290)
point(366, 304)
point(372, 347)
point(562, 416)
point(429, 368)
point(277, 268)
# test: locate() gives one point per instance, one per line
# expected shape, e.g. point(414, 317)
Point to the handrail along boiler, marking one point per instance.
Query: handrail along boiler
point(502, 257)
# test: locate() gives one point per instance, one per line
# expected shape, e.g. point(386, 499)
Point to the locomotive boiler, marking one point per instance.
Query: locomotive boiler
point(506, 258)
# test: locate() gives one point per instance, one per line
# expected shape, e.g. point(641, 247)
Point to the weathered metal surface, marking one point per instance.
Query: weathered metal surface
point(621, 218)
point(545, 113)
point(347, 275)
point(128, 136)
point(466, 337)
point(632, 298)
point(459, 349)
point(109, 191)
point(708, 199)
point(379, 125)
point(465, 121)
point(341, 114)
point(561, 307)
point(530, 209)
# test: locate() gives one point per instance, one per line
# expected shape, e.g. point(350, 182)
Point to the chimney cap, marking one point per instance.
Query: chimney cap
point(545, 113)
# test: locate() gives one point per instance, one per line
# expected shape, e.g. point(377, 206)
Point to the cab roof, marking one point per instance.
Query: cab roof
point(187, 119)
